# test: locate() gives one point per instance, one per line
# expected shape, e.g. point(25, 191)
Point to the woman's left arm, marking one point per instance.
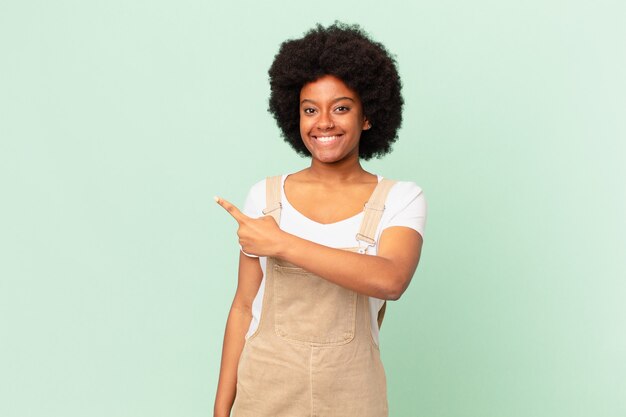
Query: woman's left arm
point(385, 276)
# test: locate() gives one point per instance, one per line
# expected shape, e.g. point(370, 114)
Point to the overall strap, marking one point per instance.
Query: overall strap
point(374, 209)
point(273, 194)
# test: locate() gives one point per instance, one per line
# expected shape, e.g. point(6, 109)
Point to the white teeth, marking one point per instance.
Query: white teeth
point(326, 138)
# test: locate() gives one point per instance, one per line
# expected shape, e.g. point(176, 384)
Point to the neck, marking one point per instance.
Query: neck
point(341, 171)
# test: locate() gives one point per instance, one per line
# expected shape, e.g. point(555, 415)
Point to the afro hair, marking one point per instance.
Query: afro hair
point(348, 53)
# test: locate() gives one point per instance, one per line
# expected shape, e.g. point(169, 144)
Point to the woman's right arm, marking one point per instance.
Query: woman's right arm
point(249, 280)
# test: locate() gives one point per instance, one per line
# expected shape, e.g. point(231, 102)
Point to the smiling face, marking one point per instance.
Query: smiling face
point(331, 119)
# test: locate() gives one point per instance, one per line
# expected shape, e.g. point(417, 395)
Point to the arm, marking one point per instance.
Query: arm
point(385, 276)
point(250, 276)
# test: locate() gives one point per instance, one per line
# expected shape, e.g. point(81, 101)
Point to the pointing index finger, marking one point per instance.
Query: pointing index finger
point(230, 208)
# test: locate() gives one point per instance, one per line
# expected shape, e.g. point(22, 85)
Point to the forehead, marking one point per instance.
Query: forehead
point(327, 87)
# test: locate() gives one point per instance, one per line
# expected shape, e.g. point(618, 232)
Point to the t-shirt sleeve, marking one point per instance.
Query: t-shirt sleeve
point(410, 207)
point(254, 204)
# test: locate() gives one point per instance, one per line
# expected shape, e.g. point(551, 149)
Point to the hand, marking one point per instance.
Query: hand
point(260, 237)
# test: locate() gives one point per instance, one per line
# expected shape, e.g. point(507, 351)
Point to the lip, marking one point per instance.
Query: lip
point(327, 139)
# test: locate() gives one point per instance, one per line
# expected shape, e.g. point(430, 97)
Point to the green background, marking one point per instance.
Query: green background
point(119, 120)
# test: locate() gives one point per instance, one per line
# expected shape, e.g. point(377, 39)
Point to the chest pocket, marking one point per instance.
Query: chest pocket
point(310, 309)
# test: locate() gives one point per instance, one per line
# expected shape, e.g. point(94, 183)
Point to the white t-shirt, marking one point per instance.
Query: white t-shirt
point(405, 206)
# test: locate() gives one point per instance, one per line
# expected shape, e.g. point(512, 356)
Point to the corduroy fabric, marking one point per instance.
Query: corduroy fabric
point(312, 354)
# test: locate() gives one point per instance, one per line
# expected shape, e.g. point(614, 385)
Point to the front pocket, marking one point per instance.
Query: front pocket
point(310, 309)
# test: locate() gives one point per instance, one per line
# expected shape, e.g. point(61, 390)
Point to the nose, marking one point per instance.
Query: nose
point(325, 121)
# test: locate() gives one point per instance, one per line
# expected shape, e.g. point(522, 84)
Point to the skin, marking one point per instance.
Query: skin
point(333, 188)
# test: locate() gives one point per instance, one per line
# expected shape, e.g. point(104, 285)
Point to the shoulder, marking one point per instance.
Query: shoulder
point(257, 189)
point(405, 206)
point(256, 198)
point(404, 192)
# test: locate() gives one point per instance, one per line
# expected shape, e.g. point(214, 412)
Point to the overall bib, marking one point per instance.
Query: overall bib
point(313, 353)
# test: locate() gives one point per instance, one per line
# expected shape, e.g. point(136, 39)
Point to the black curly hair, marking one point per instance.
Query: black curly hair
point(348, 53)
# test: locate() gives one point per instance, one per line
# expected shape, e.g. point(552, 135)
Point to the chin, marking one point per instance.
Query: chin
point(329, 159)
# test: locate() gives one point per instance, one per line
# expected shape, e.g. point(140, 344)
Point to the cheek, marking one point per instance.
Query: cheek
point(304, 133)
point(305, 126)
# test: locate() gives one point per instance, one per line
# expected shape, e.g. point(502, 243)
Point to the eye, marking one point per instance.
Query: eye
point(342, 109)
point(308, 110)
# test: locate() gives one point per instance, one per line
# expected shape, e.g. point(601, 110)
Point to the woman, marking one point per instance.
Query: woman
point(322, 248)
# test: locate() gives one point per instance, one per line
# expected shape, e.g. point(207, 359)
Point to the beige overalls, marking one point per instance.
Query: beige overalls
point(313, 353)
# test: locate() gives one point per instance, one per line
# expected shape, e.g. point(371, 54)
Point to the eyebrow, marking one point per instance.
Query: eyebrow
point(334, 100)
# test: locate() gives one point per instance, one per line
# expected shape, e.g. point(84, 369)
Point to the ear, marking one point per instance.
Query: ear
point(366, 124)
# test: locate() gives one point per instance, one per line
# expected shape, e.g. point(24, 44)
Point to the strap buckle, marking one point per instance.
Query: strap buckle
point(268, 210)
point(369, 206)
point(362, 239)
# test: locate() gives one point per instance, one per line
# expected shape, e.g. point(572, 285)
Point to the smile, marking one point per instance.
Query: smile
point(326, 139)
